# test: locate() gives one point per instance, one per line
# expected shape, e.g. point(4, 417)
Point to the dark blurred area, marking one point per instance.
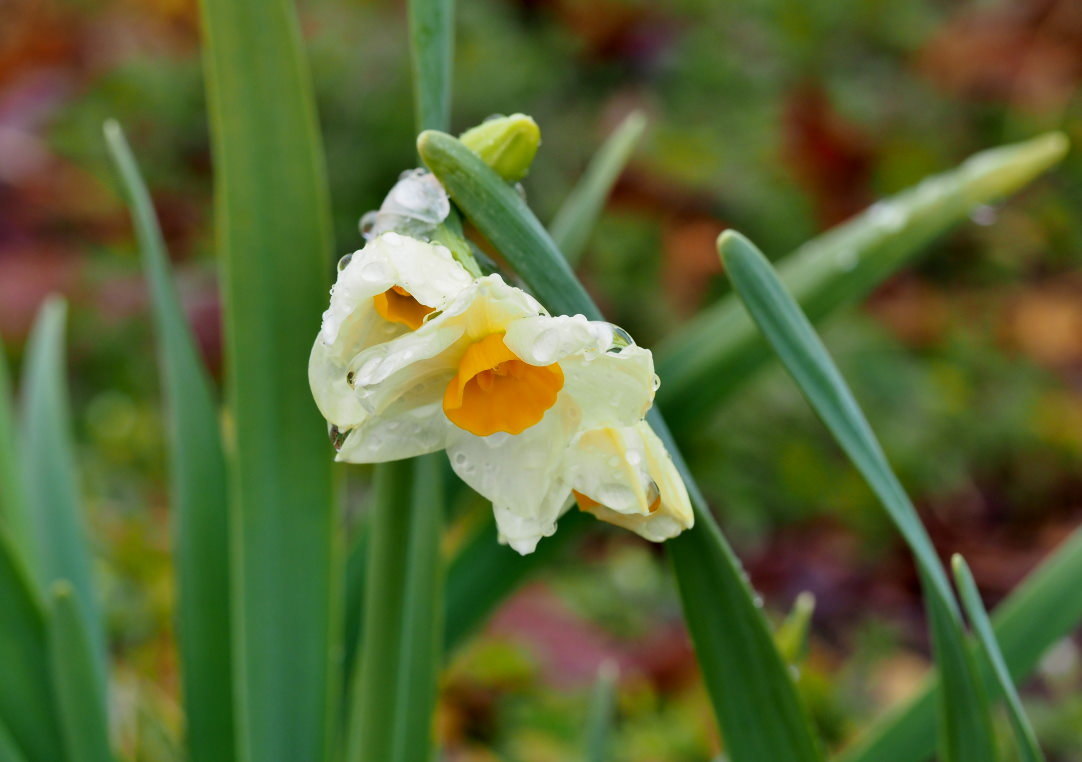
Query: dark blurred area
point(778, 117)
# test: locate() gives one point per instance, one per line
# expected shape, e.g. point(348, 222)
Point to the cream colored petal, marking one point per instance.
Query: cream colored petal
point(336, 399)
point(631, 477)
point(521, 474)
point(543, 340)
point(427, 271)
point(614, 388)
point(412, 424)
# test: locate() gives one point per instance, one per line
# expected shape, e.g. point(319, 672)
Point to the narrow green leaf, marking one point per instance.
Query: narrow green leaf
point(432, 53)
point(602, 714)
point(483, 573)
point(199, 505)
point(13, 510)
point(742, 668)
point(27, 704)
point(80, 698)
point(9, 752)
point(60, 547)
point(1026, 739)
point(1043, 609)
point(353, 597)
point(500, 213)
point(793, 633)
point(967, 731)
point(394, 686)
point(719, 349)
point(273, 227)
point(577, 216)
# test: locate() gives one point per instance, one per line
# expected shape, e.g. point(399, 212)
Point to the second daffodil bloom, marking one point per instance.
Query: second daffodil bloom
point(507, 389)
point(384, 290)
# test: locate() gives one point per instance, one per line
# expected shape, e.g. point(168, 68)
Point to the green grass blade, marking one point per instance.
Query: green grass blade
point(1029, 749)
point(742, 668)
point(353, 598)
point(9, 752)
point(1043, 609)
point(432, 38)
point(602, 714)
point(719, 349)
point(967, 730)
point(273, 227)
point(60, 547)
point(577, 216)
point(13, 511)
point(198, 486)
point(27, 703)
point(394, 687)
point(483, 573)
point(83, 720)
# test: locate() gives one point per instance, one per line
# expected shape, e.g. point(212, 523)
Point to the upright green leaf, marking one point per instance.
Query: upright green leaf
point(432, 55)
point(1026, 739)
point(967, 730)
point(200, 505)
point(394, 685)
point(60, 549)
point(273, 227)
point(80, 698)
point(602, 714)
point(1043, 609)
point(714, 353)
point(9, 752)
point(27, 704)
point(742, 668)
point(577, 216)
point(13, 511)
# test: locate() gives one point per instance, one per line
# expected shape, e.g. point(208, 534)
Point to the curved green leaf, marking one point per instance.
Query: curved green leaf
point(9, 752)
point(274, 240)
point(967, 730)
point(200, 506)
point(13, 510)
point(710, 356)
point(79, 692)
point(741, 667)
point(60, 548)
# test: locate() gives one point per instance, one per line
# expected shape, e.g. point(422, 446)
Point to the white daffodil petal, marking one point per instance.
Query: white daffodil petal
point(428, 272)
point(543, 340)
point(613, 388)
point(520, 474)
point(629, 479)
point(336, 399)
point(413, 424)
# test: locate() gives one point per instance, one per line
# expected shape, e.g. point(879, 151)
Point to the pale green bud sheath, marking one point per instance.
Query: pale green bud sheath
point(506, 143)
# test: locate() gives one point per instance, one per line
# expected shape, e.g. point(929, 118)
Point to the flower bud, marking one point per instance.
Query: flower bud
point(506, 143)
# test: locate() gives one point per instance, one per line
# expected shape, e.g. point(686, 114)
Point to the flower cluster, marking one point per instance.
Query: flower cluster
point(535, 411)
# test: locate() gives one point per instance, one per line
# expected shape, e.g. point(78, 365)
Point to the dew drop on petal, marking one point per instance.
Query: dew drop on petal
point(343, 263)
point(375, 271)
point(656, 382)
point(367, 223)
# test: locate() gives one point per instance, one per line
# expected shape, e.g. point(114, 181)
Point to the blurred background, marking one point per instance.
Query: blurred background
point(777, 117)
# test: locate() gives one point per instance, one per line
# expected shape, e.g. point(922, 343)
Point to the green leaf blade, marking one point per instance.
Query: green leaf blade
point(967, 728)
point(578, 215)
point(13, 511)
point(273, 227)
point(1025, 738)
point(781, 729)
point(79, 693)
point(395, 681)
point(60, 545)
point(719, 349)
point(431, 24)
point(27, 702)
point(198, 487)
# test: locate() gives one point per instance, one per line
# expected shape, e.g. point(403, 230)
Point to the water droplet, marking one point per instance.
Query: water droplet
point(375, 271)
point(653, 492)
point(349, 378)
point(656, 382)
point(343, 263)
point(984, 215)
point(633, 457)
point(367, 223)
point(460, 459)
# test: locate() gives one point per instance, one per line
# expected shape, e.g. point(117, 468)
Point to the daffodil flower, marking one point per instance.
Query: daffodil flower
point(384, 290)
point(506, 389)
point(625, 476)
